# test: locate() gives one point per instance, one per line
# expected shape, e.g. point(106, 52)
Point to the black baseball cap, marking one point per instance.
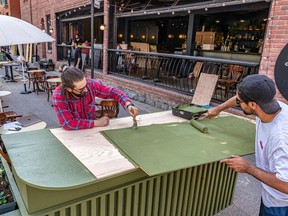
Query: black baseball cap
point(260, 89)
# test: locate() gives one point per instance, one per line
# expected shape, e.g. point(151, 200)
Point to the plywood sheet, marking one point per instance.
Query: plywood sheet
point(205, 88)
point(165, 148)
point(97, 154)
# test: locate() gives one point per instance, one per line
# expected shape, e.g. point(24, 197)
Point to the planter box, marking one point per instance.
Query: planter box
point(9, 206)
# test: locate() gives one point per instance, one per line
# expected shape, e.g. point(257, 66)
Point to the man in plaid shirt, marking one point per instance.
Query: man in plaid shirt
point(74, 101)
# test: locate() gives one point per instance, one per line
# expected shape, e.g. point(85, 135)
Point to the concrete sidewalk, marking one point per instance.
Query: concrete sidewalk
point(246, 200)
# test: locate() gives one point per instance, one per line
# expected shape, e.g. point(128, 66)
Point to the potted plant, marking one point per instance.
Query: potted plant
point(7, 199)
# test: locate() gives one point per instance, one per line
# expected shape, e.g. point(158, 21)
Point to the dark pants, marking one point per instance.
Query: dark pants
point(273, 211)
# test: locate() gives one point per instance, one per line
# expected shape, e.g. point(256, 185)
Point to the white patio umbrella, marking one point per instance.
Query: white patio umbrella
point(14, 31)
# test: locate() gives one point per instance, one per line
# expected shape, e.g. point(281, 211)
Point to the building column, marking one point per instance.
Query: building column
point(105, 37)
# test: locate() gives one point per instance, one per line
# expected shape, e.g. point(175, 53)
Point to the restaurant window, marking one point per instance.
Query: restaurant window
point(4, 3)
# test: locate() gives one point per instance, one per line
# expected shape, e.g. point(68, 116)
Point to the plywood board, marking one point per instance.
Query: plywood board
point(205, 88)
point(97, 154)
point(168, 147)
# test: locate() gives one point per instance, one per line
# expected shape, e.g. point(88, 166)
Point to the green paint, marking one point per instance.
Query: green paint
point(41, 160)
point(192, 109)
point(168, 147)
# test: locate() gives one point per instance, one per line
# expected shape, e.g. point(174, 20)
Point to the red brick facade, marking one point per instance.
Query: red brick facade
point(40, 10)
point(276, 38)
point(13, 8)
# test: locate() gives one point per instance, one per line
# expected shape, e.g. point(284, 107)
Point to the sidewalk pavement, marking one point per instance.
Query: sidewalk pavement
point(246, 200)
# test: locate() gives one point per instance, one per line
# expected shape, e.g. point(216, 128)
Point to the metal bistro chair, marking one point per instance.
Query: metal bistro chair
point(109, 108)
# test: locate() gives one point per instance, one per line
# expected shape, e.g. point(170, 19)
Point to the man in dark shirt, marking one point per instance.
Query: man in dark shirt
point(7, 54)
point(77, 55)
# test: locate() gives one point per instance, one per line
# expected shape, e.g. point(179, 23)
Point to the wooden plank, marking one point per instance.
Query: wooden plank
point(97, 154)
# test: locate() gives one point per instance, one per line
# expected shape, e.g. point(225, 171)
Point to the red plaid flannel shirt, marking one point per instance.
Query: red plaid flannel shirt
point(74, 114)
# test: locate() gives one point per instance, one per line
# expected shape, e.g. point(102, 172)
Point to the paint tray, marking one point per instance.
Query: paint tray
point(201, 98)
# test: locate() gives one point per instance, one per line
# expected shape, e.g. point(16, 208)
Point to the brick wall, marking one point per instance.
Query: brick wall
point(13, 8)
point(42, 8)
point(276, 38)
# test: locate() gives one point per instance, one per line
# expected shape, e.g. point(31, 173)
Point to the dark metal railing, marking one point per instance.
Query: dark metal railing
point(179, 72)
point(176, 72)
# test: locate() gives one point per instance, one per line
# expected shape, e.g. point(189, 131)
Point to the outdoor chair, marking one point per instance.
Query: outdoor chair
point(229, 79)
point(39, 81)
point(50, 87)
point(195, 74)
point(109, 108)
point(30, 77)
point(8, 116)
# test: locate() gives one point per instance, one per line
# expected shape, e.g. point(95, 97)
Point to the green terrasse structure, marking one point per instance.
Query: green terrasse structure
point(165, 167)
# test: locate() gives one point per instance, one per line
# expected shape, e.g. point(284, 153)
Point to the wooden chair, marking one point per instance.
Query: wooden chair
point(39, 81)
point(226, 83)
point(109, 108)
point(30, 77)
point(8, 116)
point(195, 74)
point(50, 87)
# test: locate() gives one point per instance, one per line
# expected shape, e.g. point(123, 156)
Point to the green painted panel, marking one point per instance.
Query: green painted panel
point(168, 147)
point(41, 160)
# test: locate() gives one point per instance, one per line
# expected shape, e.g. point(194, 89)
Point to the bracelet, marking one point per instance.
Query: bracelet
point(130, 104)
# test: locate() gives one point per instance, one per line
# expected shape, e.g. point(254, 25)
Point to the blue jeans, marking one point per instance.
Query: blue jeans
point(273, 211)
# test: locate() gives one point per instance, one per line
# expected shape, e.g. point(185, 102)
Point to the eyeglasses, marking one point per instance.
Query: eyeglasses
point(81, 90)
point(238, 101)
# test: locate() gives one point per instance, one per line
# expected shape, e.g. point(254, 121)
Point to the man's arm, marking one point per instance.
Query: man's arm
point(241, 165)
point(213, 112)
point(78, 62)
point(65, 117)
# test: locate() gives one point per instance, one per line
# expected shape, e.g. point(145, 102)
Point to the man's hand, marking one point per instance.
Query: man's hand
point(211, 113)
point(133, 111)
point(102, 122)
point(238, 164)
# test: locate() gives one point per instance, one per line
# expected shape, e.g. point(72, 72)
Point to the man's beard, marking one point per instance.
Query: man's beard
point(250, 112)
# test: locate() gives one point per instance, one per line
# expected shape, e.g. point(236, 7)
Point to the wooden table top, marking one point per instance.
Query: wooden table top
point(54, 80)
point(38, 70)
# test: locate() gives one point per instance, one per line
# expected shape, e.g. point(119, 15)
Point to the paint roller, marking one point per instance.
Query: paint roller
point(198, 126)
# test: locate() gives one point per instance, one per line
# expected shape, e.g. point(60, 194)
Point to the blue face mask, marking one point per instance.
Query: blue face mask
point(80, 95)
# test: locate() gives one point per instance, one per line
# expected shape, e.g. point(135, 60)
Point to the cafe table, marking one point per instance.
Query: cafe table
point(3, 94)
point(54, 80)
point(10, 65)
point(164, 167)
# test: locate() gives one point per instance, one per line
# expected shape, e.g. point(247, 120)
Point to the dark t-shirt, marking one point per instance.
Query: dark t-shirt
point(77, 55)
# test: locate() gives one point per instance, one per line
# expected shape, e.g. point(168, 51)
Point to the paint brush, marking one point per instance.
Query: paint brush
point(135, 124)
